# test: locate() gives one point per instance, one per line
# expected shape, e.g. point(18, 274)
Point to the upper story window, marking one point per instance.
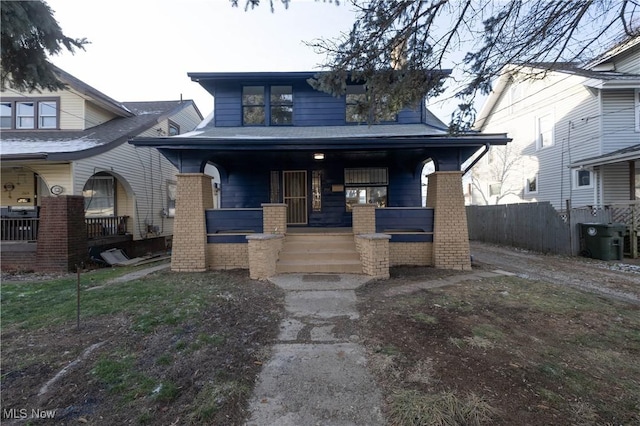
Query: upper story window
point(544, 131)
point(174, 129)
point(281, 105)
point(253, 108)
point(267, 104)
point(355, 107)
point(25, 114)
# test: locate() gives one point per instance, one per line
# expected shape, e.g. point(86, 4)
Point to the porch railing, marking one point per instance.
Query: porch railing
point(23, 229)
point(106, 226)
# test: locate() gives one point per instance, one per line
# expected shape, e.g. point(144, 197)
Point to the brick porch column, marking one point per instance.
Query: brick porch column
point(62, 234)
point(274, 218)
point(450, 232)
point(363, 219)
point(194, 195)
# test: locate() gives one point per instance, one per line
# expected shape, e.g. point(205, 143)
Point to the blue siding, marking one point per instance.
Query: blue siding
point(406, 225)
point(248, 183)
point(310, 107)
point(222, 224)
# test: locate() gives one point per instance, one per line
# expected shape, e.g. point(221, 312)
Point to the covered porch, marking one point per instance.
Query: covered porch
point(364, 181)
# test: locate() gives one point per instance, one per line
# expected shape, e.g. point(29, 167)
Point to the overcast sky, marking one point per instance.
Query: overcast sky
point(142, 50)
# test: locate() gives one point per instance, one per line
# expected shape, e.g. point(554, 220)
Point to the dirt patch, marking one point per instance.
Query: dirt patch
point(510, 349)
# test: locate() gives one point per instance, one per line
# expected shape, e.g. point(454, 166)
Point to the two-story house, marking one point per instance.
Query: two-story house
point(294, 160)
point(72, 142)
point(575, 131)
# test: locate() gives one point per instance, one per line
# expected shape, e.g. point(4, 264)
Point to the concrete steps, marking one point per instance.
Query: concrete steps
point(319, 253)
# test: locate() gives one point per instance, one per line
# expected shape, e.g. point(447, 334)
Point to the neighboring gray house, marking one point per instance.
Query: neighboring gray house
point(575, 131)
point(74, 142)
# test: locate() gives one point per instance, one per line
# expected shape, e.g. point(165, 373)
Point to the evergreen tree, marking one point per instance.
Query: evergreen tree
point(29, 32)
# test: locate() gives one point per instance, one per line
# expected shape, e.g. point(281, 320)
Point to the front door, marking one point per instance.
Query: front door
point(295, 196)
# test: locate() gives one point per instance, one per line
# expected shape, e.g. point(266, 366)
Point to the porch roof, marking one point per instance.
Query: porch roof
point(392, 136)
point(626, 154)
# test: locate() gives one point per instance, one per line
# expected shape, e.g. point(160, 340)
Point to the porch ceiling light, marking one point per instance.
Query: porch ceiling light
point(318, 156)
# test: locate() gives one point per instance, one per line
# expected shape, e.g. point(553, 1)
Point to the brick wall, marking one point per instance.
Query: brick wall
point(193, 197)
point(263, 254)
point(62, 237)
point(374, 254)
point(416, 254)
point(228, 256)
point(274, 218)
point(450, 233)
point(18, 256)
point(364, 219)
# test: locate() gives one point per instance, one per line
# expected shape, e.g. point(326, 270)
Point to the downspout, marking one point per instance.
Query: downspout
point(486, 150)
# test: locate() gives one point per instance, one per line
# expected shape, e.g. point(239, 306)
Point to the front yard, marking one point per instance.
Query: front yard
point(186, 349)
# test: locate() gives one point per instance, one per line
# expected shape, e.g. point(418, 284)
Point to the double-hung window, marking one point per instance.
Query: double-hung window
point(100, 196)
point(29, 114)
point(356, 110)
point(267, 104)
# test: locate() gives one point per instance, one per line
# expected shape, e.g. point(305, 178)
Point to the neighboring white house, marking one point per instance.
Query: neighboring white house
point(74, 142)
point(575, 131)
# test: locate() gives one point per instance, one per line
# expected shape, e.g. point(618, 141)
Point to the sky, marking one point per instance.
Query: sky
point(142, 50)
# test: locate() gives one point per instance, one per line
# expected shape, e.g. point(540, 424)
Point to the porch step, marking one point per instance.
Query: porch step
point(323, 253)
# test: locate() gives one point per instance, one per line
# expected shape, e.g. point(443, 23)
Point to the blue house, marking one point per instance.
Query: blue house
point(297, 165)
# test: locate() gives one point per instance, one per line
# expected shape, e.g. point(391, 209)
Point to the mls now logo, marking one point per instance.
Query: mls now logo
point(23, 413)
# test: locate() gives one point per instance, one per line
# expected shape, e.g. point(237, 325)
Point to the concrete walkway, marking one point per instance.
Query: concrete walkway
point(317, 374)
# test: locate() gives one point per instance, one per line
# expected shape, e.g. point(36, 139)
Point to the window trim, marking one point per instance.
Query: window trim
point(173, 124)
point(279, 103)
point(539, 142)
point(267, 105)
point(13, 105)
point(575, 179)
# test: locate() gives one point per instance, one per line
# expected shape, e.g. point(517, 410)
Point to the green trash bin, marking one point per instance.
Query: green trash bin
point(603, 241)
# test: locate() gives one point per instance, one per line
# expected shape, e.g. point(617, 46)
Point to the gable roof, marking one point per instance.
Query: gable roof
point(61, 145)
point(100, 98)
point(597, 79)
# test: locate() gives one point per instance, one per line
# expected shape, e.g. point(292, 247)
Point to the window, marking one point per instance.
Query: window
point(253, 108)
point(316, 190)
point(172, 189)
point(174, 129)
point(531, 185)
point(281, 105)
point(47, 115)
point(495, 189)
point(356, 101)
point(637, 110)
point(366, 186)
point(25, 115)
point(29, 114)
point(582, 179)
point(544, 131)
point(6, 115)
point(99, 196)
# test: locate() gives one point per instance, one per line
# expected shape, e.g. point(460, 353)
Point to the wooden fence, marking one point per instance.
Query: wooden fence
point(533, 226)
